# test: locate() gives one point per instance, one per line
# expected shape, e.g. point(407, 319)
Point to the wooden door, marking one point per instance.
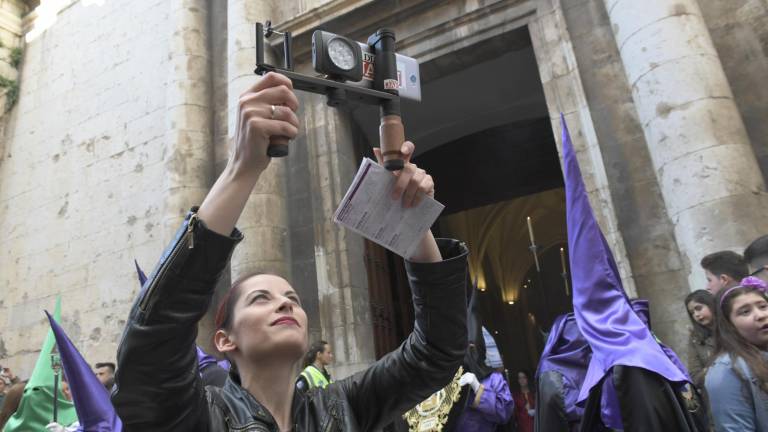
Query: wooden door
point(390, 298)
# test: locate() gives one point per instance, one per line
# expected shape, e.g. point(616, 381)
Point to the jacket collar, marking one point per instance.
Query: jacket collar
point(245, 409)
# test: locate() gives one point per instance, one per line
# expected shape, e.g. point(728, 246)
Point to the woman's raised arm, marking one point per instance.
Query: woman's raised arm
point(157, 384)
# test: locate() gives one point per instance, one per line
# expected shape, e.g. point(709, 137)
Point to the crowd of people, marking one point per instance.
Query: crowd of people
point(602, 368)
point(12, 390)
point(729, 337)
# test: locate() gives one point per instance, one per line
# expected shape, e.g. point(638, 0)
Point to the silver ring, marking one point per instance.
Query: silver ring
point(273, 111)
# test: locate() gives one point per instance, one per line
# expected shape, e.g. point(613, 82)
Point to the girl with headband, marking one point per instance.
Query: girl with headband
point(737, 381)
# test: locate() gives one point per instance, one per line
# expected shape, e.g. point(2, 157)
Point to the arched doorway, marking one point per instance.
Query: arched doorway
point(483, 132)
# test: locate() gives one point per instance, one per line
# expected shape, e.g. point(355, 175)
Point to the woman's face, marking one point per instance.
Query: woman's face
point(749, 314)
point(268, 321)
point(522, 379)
point(700, 313)
point(325, 357)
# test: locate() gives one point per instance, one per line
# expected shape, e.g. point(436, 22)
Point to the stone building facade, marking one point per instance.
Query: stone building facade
point(125, 111)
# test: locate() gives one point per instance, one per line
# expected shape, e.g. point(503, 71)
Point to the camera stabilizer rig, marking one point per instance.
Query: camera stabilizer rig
point(369, 73)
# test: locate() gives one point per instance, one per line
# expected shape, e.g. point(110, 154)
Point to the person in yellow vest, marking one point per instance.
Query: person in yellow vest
point(315, 374)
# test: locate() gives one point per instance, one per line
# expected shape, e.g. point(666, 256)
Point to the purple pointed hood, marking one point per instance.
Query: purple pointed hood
point(94, 409)
point(613, 330)
point(140, 273)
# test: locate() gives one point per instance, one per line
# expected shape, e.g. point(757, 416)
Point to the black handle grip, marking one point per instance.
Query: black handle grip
point(278, 147)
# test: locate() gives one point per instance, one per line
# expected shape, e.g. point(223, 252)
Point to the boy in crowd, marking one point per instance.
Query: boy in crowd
point(724, 269)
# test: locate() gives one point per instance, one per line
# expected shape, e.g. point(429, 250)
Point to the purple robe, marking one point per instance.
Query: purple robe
point(492, 408)
point(568, 353)
point(205, 360)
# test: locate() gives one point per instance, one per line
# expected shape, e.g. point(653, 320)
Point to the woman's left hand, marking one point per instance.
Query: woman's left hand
point(413, 183)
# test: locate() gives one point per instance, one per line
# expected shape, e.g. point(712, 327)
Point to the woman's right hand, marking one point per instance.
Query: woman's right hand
point(256, 124)
point(255, 127)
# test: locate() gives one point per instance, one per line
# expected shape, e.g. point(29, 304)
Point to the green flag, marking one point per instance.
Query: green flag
point(36, 406)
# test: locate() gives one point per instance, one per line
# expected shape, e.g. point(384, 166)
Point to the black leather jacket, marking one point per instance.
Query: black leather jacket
point(158, 387)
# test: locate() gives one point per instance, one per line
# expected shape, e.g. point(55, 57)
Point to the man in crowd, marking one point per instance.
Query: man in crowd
point(724, 269)
point(7, 379)
point(756, 256)
point(105, 372)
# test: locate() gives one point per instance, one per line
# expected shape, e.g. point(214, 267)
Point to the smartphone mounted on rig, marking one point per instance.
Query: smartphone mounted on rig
point(370, 73)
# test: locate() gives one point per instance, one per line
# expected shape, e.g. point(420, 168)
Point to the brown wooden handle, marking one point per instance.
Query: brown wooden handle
point(391, 138)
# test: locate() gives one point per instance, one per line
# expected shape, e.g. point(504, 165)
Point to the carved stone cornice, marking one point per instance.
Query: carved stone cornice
point(426, 29)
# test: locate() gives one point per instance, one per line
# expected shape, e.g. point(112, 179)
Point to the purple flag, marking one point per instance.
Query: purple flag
point(613, 330)
point(94, 409)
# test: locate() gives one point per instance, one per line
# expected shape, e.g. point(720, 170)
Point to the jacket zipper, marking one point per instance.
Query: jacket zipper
point(190, 234)
point(191, 230)
point(251, 426)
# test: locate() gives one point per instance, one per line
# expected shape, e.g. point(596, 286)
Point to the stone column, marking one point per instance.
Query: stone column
point(342, 283)
point(264, 221)
point(710, 180)
point(188, 155)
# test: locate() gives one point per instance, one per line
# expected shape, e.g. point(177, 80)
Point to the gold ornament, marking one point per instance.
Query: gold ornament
point(432, 414)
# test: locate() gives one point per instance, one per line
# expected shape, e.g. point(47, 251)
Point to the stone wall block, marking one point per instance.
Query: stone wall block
point(675, 137)
point(698, 234)
point(191, 67)
point(272, 179)
point(677, 83)
point(666, 315)
point(261, 251)
point(245, 61)
point(189, 173)
point(566, 89)
point(662, 44)
point(649, 13)
point(708, 175)
point(266, 212)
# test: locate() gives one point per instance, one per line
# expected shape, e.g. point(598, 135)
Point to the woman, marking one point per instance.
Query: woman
point(315, 374)
point(525, 403)
point(262, 328)
point(700, 305)
point(737, 380)
point(490, 402)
